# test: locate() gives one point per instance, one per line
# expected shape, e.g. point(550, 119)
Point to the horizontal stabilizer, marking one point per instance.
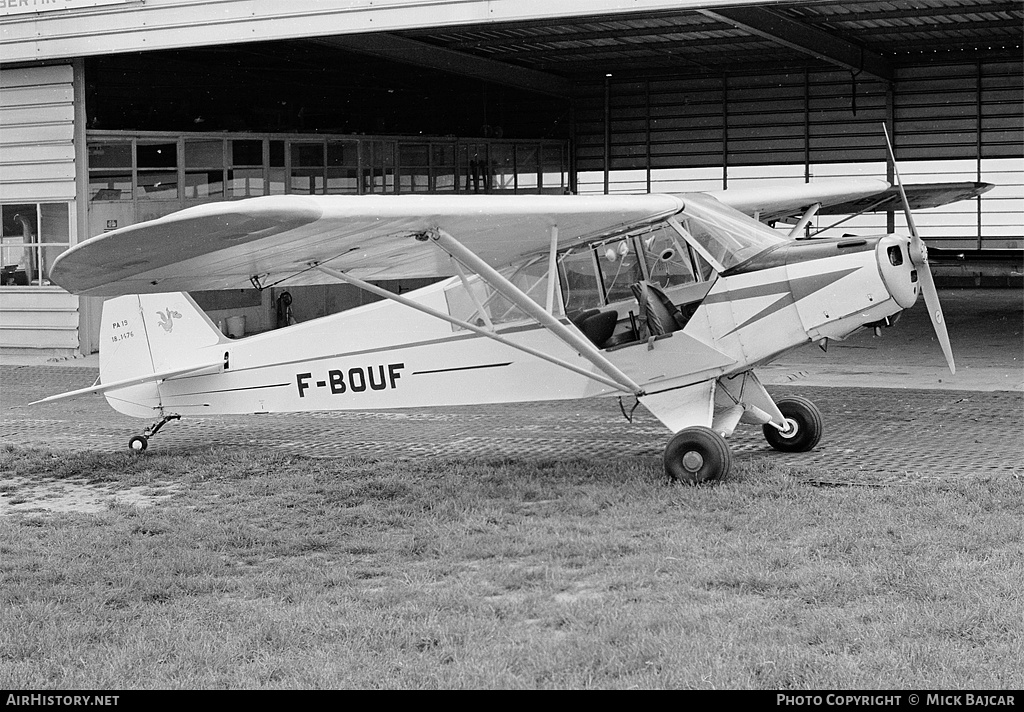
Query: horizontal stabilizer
point(148, 378)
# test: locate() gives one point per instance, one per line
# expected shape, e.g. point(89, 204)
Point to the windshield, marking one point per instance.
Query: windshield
point(725, 236)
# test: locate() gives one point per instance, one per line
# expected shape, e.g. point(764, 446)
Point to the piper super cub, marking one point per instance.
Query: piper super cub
point(671, 300)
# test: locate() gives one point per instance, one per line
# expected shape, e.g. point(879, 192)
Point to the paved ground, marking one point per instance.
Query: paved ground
point(892, 412)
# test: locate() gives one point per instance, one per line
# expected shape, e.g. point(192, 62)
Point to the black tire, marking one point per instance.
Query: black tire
point(804, 419)
point(138, 443)
point(697, 455)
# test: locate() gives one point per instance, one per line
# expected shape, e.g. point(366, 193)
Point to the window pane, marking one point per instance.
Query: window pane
point(204, 184)
point(243, 182)
point(110, 186)
point(247, 153)
point(414, 162)
point(307, 155)
point(56, 225)
point(502, 175)
point(110, 155)
point(473, 167)
point(579, 281)
point(619, 269)
point(277, 154)
point(16, 254)
point(668, 259)
point(342, 181)
point(444, 179)
point(48, 254)
point(157, 185)
point(553, 169)
point(443, 155)
point(26, 242)
point(342, 153)
point(276, 181)
point(204, 154)
point(157, 155)
point(527, 164)
point(416, 154)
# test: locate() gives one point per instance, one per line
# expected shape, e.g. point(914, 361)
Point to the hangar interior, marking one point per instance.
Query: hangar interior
point(700, 96)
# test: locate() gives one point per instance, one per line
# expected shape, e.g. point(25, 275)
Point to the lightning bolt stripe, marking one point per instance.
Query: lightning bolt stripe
point(790, 291)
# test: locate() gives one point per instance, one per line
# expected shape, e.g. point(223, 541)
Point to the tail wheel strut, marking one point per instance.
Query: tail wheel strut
point(139, 443)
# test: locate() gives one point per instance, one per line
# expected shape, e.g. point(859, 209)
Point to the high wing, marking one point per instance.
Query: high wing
point(771, 204)
point(920, 196)
point(260, 241)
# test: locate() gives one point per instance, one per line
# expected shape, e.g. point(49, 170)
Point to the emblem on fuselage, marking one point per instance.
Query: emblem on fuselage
point(167, 319)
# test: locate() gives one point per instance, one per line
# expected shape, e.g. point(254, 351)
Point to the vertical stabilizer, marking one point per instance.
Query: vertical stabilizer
point(149, 333)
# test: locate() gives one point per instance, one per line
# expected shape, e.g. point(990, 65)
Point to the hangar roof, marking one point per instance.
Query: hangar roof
point(869, 36)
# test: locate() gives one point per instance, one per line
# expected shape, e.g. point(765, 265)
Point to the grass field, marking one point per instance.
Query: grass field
point(258, 570)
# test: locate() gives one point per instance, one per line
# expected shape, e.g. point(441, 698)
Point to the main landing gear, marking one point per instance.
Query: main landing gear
point(803, 426)
point(698, 454)
point(138, 443)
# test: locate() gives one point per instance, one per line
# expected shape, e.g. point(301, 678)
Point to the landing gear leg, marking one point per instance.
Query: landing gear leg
point(139, 443)
point(696, 455)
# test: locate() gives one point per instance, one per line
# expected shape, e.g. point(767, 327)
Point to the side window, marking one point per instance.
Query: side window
point(578, 279)
point(477, 302)
point(620, 268)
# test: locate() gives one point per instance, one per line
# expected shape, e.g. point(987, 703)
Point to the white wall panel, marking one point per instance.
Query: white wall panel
point(37, 134)
point(37, 165)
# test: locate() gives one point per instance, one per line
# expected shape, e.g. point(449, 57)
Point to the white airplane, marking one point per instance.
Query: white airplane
point(669, 301)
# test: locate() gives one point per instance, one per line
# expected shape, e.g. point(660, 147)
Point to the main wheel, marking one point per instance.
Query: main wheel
point(138, 443)
point(803, 426)
point(697, 455)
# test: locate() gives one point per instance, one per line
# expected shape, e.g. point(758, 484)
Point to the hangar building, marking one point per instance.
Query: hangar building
point(117, 111)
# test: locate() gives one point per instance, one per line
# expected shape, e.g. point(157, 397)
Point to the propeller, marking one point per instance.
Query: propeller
point(919, 258)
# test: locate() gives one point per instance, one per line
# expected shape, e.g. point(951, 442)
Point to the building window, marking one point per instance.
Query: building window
point(342, 167)
point(33, 235)
point(157, 171)
point(162, 173)
point(204, 170)
point(110, 170)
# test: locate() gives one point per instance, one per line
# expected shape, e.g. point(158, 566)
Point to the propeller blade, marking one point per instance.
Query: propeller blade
point(931, 300)
point(919, 256)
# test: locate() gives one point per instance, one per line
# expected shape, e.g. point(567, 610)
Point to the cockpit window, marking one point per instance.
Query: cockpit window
point(619, 269)
point(667, 257)
point(728, 237)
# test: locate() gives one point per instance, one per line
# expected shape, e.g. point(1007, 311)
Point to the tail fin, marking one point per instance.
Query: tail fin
point(150, 333)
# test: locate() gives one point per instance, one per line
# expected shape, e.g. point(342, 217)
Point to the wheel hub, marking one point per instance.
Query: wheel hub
point(693, 461)
point(790, 429)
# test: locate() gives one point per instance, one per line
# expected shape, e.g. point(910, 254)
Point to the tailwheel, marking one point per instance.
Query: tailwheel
point(138, 443)
point(697, 454)
point(803, 426)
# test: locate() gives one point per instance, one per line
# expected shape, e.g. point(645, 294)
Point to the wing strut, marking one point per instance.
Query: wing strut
point(379, 291)
point(576, 340)
point(806, 218)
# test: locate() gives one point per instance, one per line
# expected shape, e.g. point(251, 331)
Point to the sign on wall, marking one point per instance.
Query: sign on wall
point(21, 7)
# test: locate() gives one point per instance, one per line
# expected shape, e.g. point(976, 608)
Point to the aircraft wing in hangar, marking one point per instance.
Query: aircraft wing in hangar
point(260, 241)
point(771, 204)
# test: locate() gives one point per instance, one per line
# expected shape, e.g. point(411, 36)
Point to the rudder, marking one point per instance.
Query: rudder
point(149, 333)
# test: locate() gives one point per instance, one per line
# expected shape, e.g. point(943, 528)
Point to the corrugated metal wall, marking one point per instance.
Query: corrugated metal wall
point(962, 111)
point(37, 165)
point(37, 116)
point(715, 130)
